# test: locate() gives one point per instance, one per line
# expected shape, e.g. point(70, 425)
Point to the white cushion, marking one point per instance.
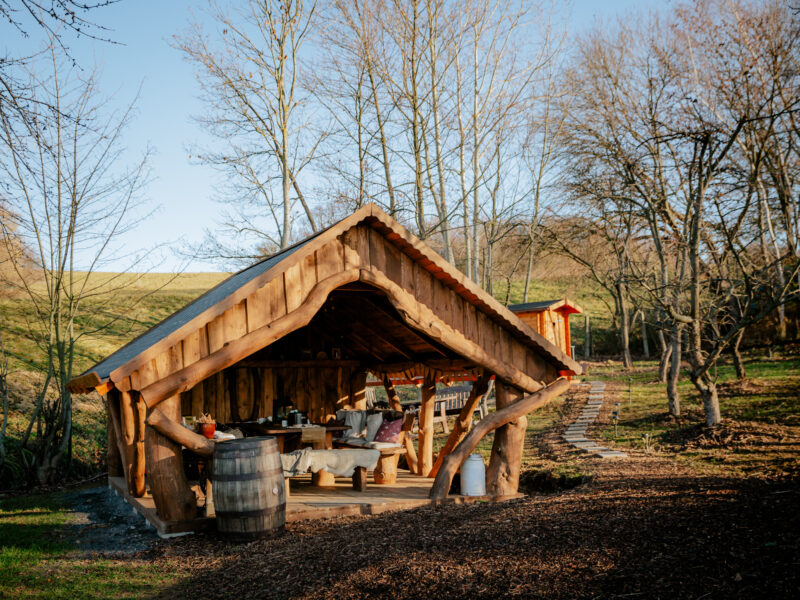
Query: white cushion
point(354, 419)
point(374, 423)
point(382, 445)
point(359, 441)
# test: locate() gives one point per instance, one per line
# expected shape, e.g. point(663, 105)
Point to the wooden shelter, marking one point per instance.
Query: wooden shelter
point(305, 326)
point(550, 319)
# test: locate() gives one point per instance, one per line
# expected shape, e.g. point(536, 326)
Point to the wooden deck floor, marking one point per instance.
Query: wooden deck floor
point(310, 502)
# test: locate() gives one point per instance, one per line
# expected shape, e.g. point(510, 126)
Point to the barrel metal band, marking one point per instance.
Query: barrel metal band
point(243, 453)
point(246, 476)
point(247, 514)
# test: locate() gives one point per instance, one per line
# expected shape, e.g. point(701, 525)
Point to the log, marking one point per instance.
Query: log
point(394, 399)
point(421, 318)
point(140, 464)
point(114, 416)
point(134, 459)
point(360, 479)
point(408, 443)
point(453, 461)
point(176, 432)
point(425, 441)
point(237, 349)
point(173, 499)
point(114, 450)
point(464, 421)
point(502, 475)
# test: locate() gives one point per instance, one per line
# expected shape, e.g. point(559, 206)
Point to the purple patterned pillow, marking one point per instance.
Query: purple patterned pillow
point(389, 431)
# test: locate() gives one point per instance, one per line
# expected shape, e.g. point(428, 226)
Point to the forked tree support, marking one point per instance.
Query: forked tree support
point(463, 421)
point(502, 475)
point(452, 463)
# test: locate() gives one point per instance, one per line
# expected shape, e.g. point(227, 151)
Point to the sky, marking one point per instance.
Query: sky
point(142, 60)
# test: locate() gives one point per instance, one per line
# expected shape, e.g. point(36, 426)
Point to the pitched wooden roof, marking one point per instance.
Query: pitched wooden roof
point(562, 304)
point(167, 335)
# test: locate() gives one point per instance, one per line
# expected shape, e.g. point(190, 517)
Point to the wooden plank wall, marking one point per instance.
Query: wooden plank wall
point(370, 247)
point(359, 247)
point(239, 394)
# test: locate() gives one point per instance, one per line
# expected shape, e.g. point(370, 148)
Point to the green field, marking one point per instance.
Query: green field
point(39, 557)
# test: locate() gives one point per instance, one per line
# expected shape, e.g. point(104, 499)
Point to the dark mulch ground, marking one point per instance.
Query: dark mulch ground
point(641, 528)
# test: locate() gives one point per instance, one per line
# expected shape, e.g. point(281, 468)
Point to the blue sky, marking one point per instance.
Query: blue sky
point(183, 191)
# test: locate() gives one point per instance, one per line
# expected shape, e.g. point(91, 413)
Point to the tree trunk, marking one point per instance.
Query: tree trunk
point(673, 375)
point(173, 499)
point(528, 275)
point(624, 329)
point(645, 342)
point(708, 392)
point(502, 476)
point(666, 352)
point(425, 439)
point(587, 337)
point(738, 362)
point(456, 458)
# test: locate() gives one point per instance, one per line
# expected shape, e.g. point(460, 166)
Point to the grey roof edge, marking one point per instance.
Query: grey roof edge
point(540, 305)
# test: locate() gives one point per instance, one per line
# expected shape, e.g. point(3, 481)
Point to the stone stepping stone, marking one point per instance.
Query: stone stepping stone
point(596, 397)
point(572, 439)
point(611, 454)
point(594, 403)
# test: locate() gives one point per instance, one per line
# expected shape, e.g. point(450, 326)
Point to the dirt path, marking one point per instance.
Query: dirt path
point(643, 527)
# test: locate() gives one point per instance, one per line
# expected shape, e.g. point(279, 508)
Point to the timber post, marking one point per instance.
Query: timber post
point(502, 475)
point(173, 498)
point(425, 440)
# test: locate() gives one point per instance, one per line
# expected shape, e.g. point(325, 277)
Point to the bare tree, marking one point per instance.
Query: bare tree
point(250, 77)
point(60, 170)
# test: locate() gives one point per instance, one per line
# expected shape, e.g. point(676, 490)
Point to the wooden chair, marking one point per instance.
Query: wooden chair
point(386, 470)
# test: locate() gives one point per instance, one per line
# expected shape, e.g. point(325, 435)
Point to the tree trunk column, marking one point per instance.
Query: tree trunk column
point(173, 499)
point(113, 456)
point(502, 476)
point(425, 440)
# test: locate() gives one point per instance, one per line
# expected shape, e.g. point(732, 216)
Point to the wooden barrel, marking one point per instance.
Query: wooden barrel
point(249, 495)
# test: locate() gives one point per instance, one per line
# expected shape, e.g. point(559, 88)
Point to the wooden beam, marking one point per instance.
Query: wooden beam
point(502, 475)
point(236, 350)
point(84, 383)
point(420, 317)
point(425, 441)
point(198, 444)
point(453, 461)
point(104, 388)
point(394, 399)
point(464, 421)
point(115, 436)
point(173, 498)
point(411, 331)
point(408, 443)
point(134, 463)
point(273, 364)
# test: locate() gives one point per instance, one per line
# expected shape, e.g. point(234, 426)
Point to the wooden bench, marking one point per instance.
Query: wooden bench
point(359, 480)
point(386, 470)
